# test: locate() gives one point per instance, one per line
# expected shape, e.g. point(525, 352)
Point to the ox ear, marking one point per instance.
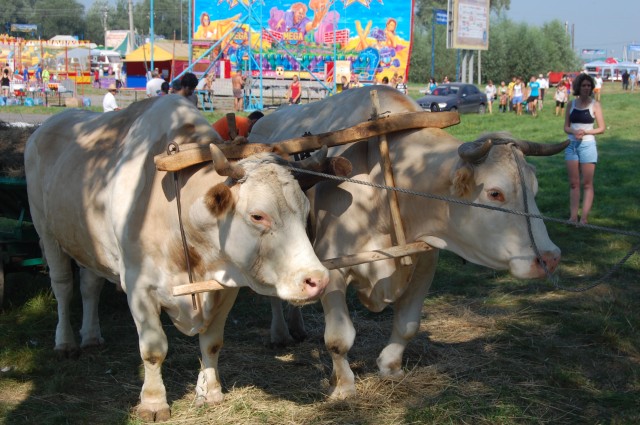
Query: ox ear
point(335, 166)
point(219, 199)
point(462, 180)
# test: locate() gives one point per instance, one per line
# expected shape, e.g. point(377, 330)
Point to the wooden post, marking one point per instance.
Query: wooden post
point(397, 232)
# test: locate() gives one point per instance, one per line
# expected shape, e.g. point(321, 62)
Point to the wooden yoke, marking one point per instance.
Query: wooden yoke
point(193, 153)
point(231, 122)
point(397, 233)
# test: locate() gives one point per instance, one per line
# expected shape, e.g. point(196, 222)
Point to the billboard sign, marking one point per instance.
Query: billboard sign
point(590, 52)
point(442, 17)
point(300, 37)
point(469, 25)
point(24, 28)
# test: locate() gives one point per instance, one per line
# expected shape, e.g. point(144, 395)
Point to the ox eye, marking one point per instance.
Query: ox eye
point(495, 195)
point(261, 219)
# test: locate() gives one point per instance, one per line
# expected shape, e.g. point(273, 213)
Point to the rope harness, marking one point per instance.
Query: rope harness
point(172, 149)
point(528, 216)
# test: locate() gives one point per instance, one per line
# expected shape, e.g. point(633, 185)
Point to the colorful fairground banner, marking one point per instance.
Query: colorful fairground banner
point(302, 37)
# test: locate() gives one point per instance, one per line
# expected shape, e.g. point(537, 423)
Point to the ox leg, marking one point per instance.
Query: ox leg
point(61, 275)
point(153, 349)
point(90, 288)
point(406, 317)
point(296, 323)
point(339, 335)
point(285, 332)
point(280, 336)
point(208, 388)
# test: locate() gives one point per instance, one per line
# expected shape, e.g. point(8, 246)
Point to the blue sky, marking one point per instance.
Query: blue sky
point(609, 25)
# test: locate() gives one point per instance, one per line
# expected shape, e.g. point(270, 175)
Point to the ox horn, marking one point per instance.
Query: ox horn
point(540, 149)
point(223, 166)
point(473, 152)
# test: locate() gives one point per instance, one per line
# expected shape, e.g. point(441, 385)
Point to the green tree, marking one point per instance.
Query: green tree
point(58, 17)
point(446, 59)
point(167, 15)
point(95, 20)
point(14, 12)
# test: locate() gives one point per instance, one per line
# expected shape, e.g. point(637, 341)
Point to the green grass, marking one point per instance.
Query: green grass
point(492, 349)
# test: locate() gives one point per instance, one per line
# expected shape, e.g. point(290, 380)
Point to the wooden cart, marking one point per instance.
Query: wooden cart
point(19, 243)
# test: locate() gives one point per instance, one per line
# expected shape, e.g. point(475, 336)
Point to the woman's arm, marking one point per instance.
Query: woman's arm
point(567, 122)
point(597, 110)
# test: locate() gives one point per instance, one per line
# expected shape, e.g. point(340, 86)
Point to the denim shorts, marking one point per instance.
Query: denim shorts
point(585, 152)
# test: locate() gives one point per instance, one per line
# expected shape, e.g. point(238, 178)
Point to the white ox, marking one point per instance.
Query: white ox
point(349, 218)
point(97, 198)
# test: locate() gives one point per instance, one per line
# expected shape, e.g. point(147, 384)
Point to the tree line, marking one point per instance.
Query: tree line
point(514, 48)
point(69, 17)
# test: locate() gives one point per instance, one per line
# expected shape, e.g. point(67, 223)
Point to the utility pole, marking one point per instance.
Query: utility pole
point(151, 29)
point(131, 29)
point(105, 14)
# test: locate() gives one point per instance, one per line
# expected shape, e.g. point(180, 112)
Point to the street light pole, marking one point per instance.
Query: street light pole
point(152, 30)
point(433, 44)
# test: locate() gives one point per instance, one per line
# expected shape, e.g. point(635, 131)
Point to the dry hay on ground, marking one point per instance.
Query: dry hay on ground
point(12, 142)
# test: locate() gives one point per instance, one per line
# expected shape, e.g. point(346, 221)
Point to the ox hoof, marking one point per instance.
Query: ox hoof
point(278, 345)
point(391, 375)
point(298, 335)
point(342, 393)
point(154, 413)
point(280, 341)
point(92, 342)
point(214, 397)
point(67, 351)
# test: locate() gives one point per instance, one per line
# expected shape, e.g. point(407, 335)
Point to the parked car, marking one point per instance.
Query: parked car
point(459, 97)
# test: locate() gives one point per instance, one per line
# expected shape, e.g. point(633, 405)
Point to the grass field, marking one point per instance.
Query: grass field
point(491, 350)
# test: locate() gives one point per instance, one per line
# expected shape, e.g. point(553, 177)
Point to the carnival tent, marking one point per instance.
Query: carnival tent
point(608, 68)
point(163, 51)
point(75, 58)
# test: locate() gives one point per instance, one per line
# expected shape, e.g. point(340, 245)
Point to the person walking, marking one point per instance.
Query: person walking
point(504, 97)
point(5, 83)
point(510, 93)
point(490, 91)
point(583, 121)
point(295, 91)
point(237, 86)
point(544, 86)
point(560, 98)
point(518, 95)
point(598, 88)
point(534, 95)
point(625, 80)
point(401, 85)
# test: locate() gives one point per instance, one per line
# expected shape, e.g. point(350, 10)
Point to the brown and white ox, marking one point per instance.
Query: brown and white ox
point(97, 198)
point(349, 218)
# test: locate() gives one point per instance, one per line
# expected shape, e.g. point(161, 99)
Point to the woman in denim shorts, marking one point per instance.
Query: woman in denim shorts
point(583, 120)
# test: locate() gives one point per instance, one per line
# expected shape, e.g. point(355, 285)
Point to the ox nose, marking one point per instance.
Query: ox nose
point(549, 259)
point(315, 283)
